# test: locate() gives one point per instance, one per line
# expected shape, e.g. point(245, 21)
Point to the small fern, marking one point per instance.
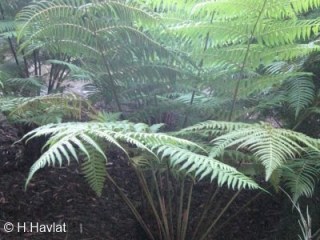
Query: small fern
point(45, 109)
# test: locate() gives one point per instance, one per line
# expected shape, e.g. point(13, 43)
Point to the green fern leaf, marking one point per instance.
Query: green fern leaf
point(301, 92)
point(94, 170)
point(300, 177)
point(203, 166)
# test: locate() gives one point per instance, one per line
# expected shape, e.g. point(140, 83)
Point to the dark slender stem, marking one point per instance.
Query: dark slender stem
point(316, 233)
point(62, 74)
point(25, 64)
point(2, 12)
point(107, 66)
point(50, 83)
point(169, 200)
point(39, 62)
point(113, 87)
point(13, 51)
point(200, 66)
point(180, 206)
point(186, 214)
point(35, 63)
point(146, 191)
point(9, 39)
point(220, 215)
point(132, 208)
point(162, 206)
point(61, 77)
point(187, 115)
point(235, 94)
point(205, 211)
point(238, 212)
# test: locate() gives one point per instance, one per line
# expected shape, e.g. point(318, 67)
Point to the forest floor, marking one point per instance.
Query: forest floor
point(62, 196)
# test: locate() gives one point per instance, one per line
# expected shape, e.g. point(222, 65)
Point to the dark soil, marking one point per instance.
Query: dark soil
point(63, 196)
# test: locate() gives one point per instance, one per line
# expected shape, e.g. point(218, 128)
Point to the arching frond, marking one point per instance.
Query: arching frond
point(7, 27)
point(272, 146)
point(81, 24)
point(301, 176)
point(66, 137)
point(258, 54)
point(204, 166)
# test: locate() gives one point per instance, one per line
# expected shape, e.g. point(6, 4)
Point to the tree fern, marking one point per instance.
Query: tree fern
point(106, 37)
point(242, 36)
point(71, 22)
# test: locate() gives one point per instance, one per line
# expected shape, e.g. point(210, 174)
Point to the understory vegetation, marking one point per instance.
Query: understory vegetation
point(224, 92)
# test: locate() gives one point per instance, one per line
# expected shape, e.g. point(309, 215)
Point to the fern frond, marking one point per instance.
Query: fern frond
point(64, 146)
point(66, 137)
point(21, 85)
point(79, 24)
point(263, 84)
point(304, 6)
point(300, 176)
point(301, 93)
point(7, 27)
point(75, 70)
point(272, 146)
point(203, 166)
point(94, 170)
point(119, 11)
point(36, 12)
point(258, 54)
point(106, 116)
point(215, 125)
point(45, 109)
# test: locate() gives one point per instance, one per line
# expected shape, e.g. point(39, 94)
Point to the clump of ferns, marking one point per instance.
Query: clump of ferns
point(46, 109)
point(156, 156)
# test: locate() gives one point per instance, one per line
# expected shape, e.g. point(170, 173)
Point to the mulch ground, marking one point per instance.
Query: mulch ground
point(63, 196)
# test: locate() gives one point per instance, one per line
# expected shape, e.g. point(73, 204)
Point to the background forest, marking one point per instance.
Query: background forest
point(218, 97)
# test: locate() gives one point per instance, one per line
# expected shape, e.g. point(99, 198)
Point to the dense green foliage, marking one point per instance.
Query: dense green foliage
point(235, 79)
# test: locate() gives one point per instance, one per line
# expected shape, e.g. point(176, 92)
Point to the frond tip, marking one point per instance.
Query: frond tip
point(94, 170)
point(203, 166)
